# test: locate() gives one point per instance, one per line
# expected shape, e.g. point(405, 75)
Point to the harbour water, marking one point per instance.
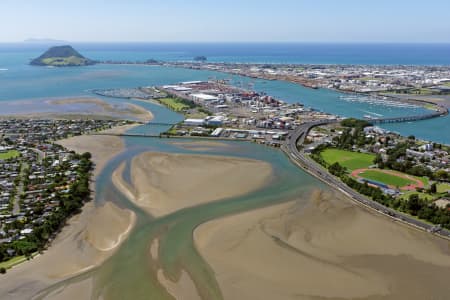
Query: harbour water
point(130, 273)
point(125, 276)
point(19, 81)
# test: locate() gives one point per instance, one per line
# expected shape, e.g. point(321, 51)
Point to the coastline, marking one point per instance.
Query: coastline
point(107, 110)
point(306, 249)
point(316, 170)
point(111, 244)
point(85, 242)
point(300, 81)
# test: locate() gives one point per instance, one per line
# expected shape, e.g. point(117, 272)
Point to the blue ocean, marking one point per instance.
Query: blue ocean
point(299, 53)
point(20, 82)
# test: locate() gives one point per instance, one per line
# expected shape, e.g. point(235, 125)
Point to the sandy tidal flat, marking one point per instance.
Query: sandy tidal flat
point(331, 249)
point(163, 183)
point(129, 110)
point(102, 147)
point(75, 108)
point(86, 242)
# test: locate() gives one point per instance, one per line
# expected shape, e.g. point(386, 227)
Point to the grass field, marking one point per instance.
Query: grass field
point(12, 262)
point(425, 180)
point(15, 261)
point(431, 106)
point(443, 187)
point(388, 179)
point(405, 195)
point(350, 160)
point(64, 61)
point(174, 104)
point(9, 154)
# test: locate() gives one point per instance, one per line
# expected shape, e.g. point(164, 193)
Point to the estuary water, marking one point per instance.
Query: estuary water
point(130, 273)
point(21, 83)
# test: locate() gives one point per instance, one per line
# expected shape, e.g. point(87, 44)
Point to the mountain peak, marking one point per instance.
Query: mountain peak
point(61, 56)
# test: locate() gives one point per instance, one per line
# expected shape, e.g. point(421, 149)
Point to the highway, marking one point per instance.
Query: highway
point(297, 137)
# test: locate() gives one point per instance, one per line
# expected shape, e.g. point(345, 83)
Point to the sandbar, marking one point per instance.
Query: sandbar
point(129, 109)
point(330, 249)
point(103, 110)
point(162, 183)
point(89, 238)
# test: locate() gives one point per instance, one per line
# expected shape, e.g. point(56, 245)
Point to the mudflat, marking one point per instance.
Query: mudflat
point(89, 238)
point(162, 183)
point(330, 249)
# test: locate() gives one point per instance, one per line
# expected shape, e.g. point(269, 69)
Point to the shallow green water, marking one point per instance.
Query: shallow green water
point(131, 273)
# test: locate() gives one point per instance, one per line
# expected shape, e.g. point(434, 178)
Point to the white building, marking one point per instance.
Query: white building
point(194, 122)
point(204, 97)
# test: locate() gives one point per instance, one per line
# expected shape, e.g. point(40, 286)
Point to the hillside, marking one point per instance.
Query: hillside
point(61, 56)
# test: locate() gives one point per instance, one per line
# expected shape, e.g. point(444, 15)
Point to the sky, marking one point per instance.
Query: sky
point(354, 21)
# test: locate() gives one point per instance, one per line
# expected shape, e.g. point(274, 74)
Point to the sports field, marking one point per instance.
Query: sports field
point(349, 159)
point(389, 179)
point(9, 154)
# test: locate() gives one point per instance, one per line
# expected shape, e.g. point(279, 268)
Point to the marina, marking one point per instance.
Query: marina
point(178, 256)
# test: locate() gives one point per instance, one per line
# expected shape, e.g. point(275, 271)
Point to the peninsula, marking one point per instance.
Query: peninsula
point(62, 56)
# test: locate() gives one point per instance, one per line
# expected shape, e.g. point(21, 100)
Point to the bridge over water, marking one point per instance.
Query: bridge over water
point(159, 124)
point(440, 112)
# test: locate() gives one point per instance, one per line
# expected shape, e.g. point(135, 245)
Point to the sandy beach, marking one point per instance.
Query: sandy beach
point(102, 147)
point(163, 183)
point(331, 249)
point(129, 109)
point(84, 243)
point(103, 110)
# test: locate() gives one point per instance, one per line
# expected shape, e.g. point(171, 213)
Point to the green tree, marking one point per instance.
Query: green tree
point(433, 188)
point(414, 204)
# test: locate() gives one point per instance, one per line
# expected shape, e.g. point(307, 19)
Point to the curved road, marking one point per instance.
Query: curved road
point(297, 137)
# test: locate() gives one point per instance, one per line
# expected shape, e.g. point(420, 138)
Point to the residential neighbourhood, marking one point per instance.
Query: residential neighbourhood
point(41, 183)
point(366, 157)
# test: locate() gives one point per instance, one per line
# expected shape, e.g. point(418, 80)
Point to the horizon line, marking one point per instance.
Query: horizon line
point(51, 40)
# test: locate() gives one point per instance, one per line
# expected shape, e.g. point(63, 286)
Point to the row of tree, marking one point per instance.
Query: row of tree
point(69, 205)
point(399, 161)
point(414, 205)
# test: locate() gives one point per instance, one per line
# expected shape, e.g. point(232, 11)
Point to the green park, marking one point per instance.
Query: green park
point(9, 154)
point(349, 159)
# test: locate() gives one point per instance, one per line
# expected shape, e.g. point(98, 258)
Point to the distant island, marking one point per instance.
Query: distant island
point(200, 58)
point(62, 56)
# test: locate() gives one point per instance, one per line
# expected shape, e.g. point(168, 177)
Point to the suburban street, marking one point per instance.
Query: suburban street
point(297, 137)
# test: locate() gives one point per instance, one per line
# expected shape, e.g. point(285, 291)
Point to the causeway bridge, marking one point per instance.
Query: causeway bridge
point(440, 112)
point(159, 124)
point(128, 134)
